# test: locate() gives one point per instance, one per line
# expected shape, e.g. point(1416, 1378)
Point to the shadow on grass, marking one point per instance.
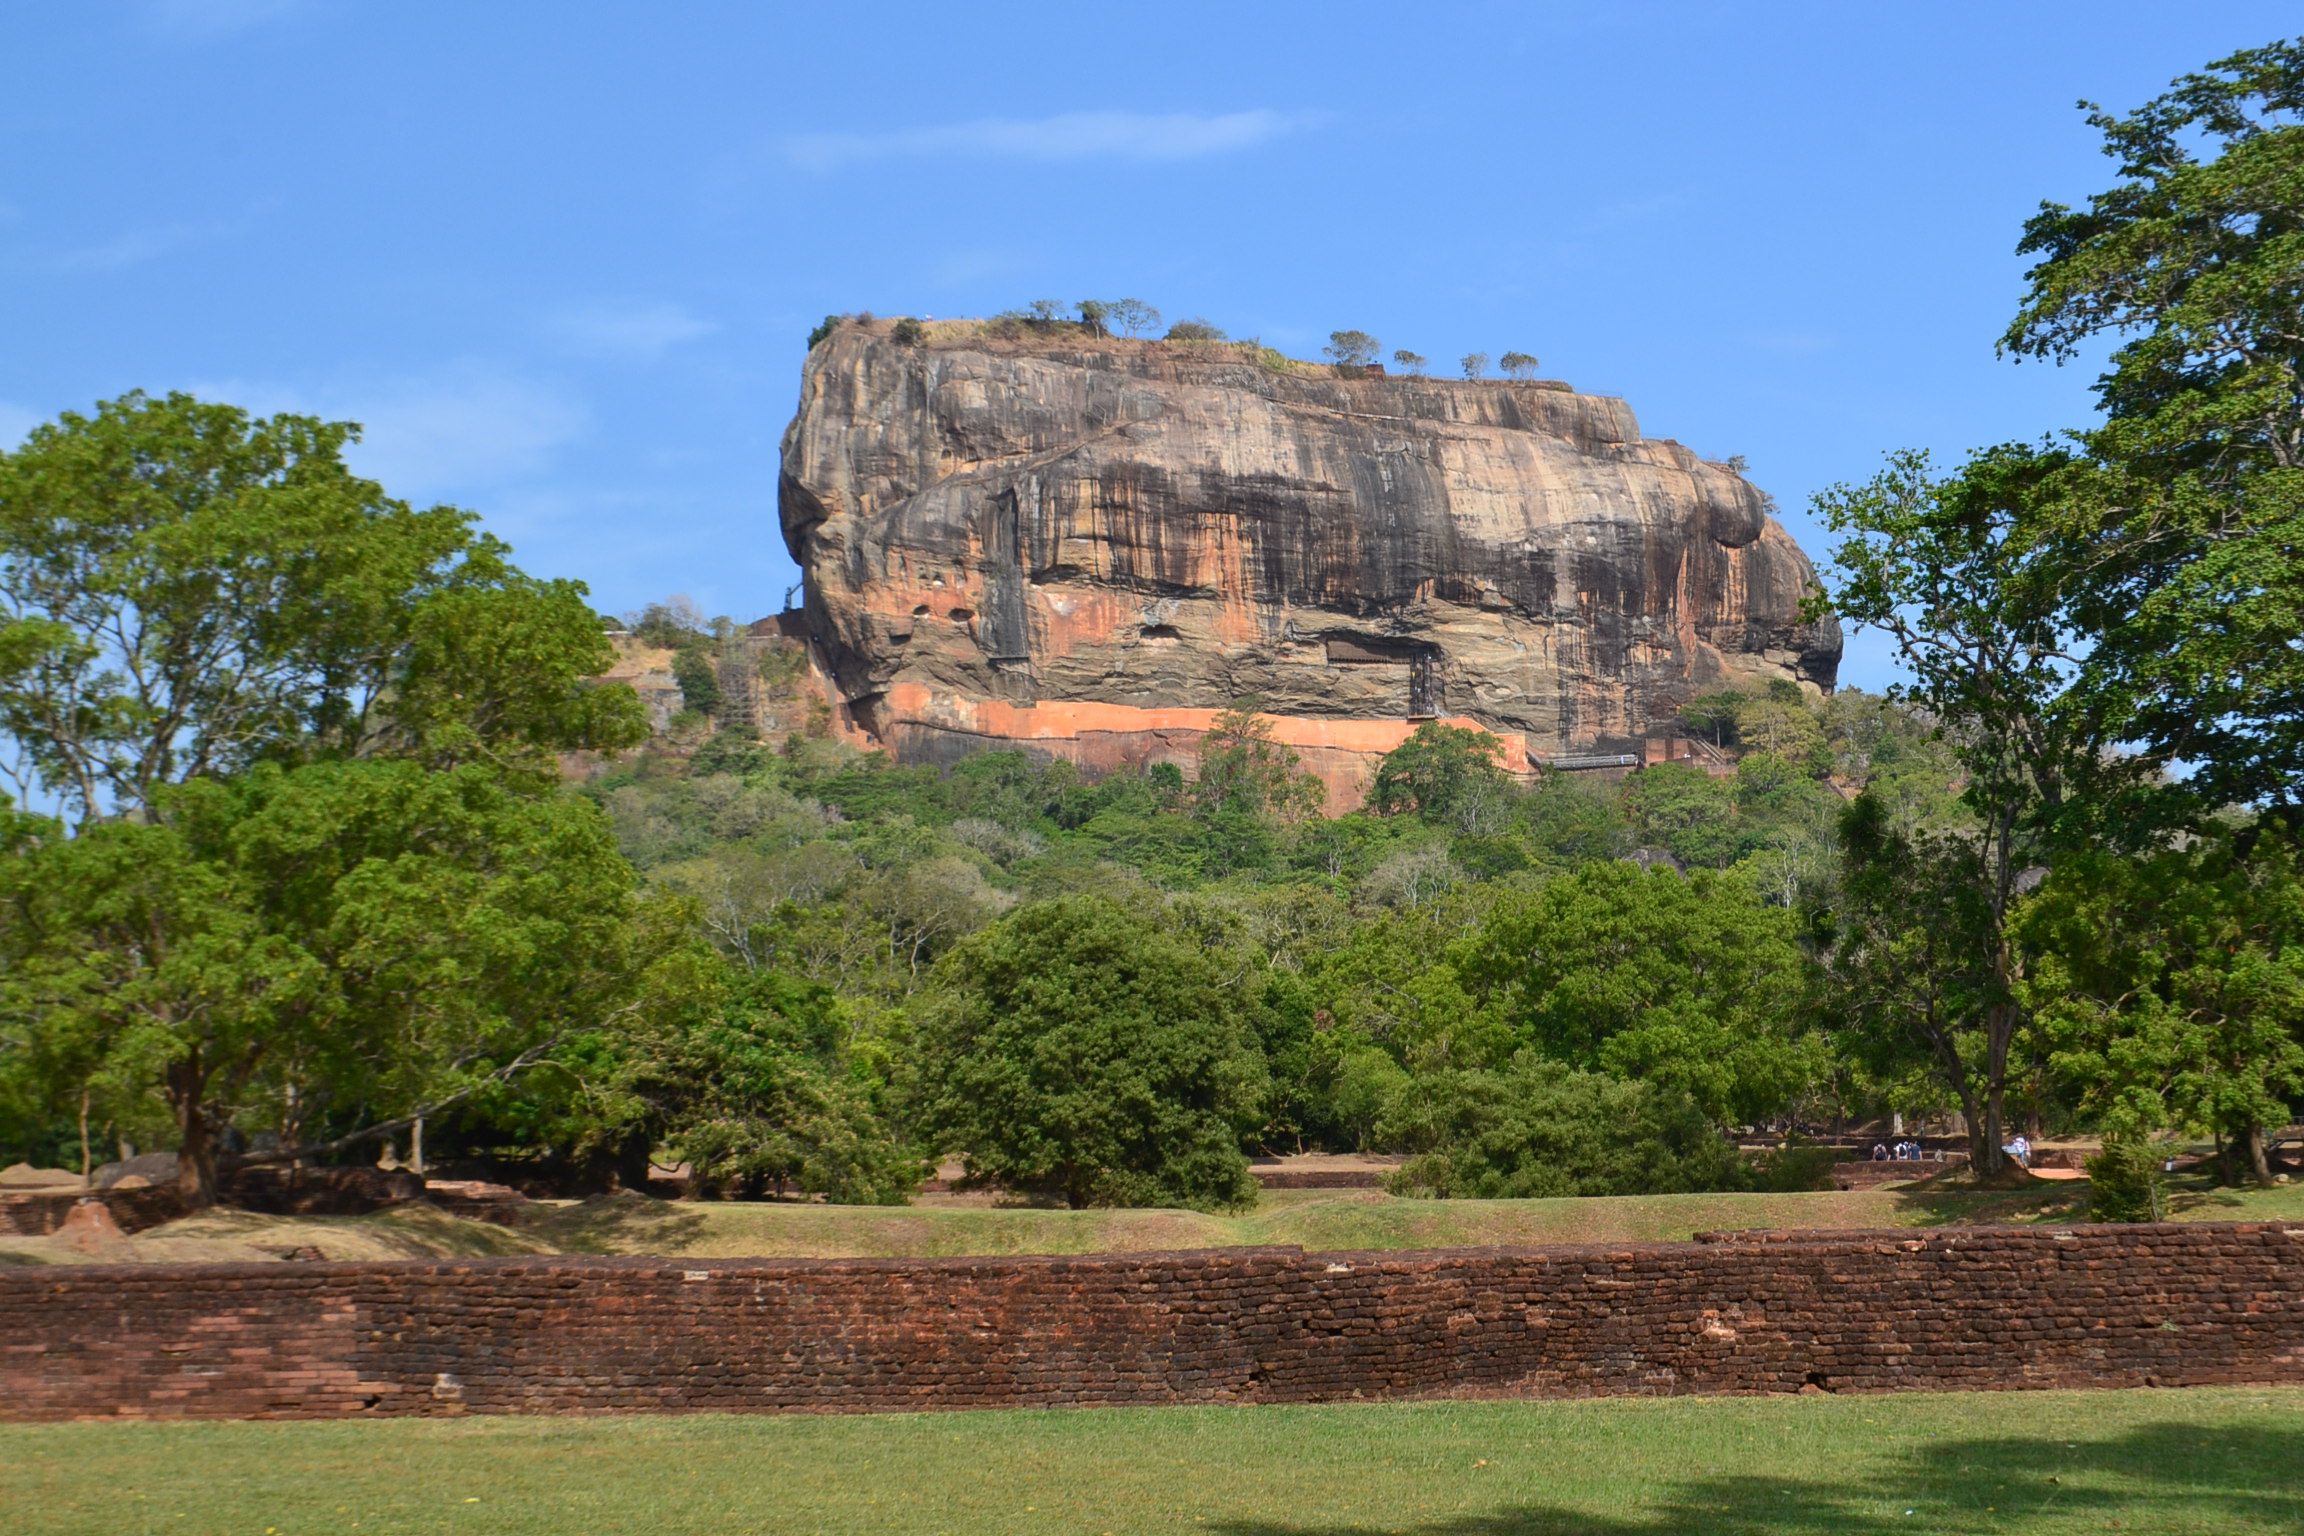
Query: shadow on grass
point(622, 1223)
point(422, 1233)
point(2152, 1479)
point(1951, 1205)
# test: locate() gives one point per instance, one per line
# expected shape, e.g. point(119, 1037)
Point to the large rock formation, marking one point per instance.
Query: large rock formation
point(1089, 547)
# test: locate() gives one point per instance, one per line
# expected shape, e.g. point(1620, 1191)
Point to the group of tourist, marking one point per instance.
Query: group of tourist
point(1901, 1152)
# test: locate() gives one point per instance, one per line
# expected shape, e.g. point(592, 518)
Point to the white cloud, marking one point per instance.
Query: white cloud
point(451, 435)
point(1145, 136)
point(636, 330)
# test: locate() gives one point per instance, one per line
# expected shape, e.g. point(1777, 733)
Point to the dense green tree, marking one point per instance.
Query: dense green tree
point(1687, 812)
point(699, 680)
point(1518, 365)
point(1690, 982)
point(2176, 532)
point(323, 952)
point(1445, 774)
point(1572, 819)
point(1243, 771)
point(1081, 1051)
point(2170, 987)
point(1542, 1129)
point(186, 590)
point(757, 1094)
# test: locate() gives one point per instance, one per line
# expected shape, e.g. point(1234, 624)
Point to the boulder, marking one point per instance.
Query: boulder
point(1088, 548)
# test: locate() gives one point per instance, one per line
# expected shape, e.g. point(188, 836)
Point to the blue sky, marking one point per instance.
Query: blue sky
point(560, 258)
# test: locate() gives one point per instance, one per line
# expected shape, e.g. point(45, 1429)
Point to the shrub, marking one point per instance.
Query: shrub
point(1794, 1168)
point(1539, 1129)
point(824, 328)
point(2124, 1182)
point(908, 332)
point(699, 681)
point(1194, 330)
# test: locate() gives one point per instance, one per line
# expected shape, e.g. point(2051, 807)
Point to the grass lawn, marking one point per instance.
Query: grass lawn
point(2227, 1462)
point(1314, 1219)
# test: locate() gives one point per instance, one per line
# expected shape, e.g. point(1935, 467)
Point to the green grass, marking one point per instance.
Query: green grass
point(1313, 1219)
point(2229, 1462)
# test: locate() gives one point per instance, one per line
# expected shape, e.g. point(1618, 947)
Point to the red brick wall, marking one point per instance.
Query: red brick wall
point(1990, 1307)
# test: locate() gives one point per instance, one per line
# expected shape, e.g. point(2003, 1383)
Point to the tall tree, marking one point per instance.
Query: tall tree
point(1244, 772)
point(2178, 533)
point(321, 952)
point(1441, 772)
point(185, 590)
point(1945, 568)
point(308, 734)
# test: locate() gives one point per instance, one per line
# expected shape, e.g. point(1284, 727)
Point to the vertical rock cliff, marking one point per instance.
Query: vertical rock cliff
point(1089, 547)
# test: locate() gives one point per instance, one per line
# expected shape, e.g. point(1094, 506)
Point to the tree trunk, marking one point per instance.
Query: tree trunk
point(195, 1149)
point(1985, 1141)
point(2259, 1163)
point(85, 1163)
point(1992, 1159)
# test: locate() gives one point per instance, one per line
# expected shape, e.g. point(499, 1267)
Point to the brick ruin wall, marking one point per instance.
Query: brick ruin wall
point(1975, 1308)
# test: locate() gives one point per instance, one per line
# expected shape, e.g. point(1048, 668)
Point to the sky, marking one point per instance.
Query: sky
point(560, 259)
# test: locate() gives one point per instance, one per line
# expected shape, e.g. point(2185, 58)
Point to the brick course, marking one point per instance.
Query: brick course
point(1868, 1311)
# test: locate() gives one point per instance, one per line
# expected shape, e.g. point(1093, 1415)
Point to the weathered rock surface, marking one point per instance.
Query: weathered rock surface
point(1090, 547)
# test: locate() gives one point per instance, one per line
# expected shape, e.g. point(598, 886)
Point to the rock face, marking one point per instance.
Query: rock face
point(1090, 547)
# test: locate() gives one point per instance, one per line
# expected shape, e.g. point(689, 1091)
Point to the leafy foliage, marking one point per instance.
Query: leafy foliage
point(186, 591)
point(1540, 1129)
point(2173, 535)
point(1352, 349)
point(1686, 982)
point(1084, 1053)
point(2194, 1020)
